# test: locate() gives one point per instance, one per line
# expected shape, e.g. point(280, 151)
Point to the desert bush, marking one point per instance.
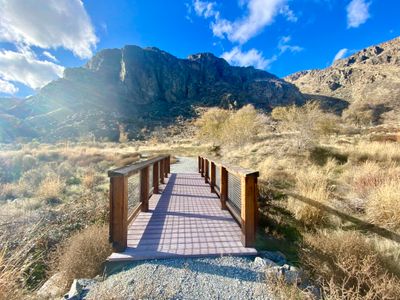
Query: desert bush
point(50, 188)
point(210, 125)
point(364, 114)
point(83, 254)
point(228, 127)
point(313, 183)
point(383, 204)
point(348, 266)
point(309, 122)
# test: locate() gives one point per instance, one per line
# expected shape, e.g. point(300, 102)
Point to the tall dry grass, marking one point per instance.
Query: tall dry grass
point(313, 183)
point(348, 266)
point(84, 253)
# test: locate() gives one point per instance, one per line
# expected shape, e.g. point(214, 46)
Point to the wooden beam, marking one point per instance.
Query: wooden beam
point(165, 167)
point(161, 171)
point(202, 167)
point(119, 212)
point(223, 186)
point(155, 178)
point(212, 177)
point(248, 209)
point(206, 171)
point(144, 188)
point(199, 164)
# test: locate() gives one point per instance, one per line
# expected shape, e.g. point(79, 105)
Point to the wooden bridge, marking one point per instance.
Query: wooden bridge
point(158, 214)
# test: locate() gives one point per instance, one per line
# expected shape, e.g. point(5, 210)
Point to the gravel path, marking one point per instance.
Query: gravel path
point(188, 278)
point(185, 165)
point(185, 278)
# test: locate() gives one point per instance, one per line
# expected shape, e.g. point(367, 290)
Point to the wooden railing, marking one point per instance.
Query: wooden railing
point(237, 190)
point(130, 190)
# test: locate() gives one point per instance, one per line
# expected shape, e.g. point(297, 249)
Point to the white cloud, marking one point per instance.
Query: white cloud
point(252, 57)
point(48, 24)
point(7, 87)
point(283, 45)
point(49, 55)
point(25, 68)
point(288, 13)
point(260, 14)
point(205, 9)
point(341, 53)
point(357, 13)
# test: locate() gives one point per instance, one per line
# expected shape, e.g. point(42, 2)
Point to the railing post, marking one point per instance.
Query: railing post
point(249, 209)
point(119, 212)
point(169, 164)
point(144, 188)
point(155, 178)
point(161, 171)
point(206, 171)
point(166, 167)
point(223, 187)
point(202, 167)
point(212, 177)
point(199, 164)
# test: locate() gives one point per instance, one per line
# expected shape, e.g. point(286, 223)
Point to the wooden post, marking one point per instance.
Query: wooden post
point(169, 164)
point(119, 212)
point(144, 188)
point(161, 171)
point(249, 209)
point(166, 167)
point(202, 167)
point(206, 171)
point(199, 164)
point(212, 177)
point(223, 187)
point(155, 178)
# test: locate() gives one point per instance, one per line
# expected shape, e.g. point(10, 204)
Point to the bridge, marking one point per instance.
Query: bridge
point(156, 213)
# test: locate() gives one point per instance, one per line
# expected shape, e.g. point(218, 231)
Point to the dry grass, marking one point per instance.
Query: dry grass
point(50, 188)
point(286, 291)
point(312, 183)
point(84, 253)
point(376, 151)
point(383, 205)
point(348, 266)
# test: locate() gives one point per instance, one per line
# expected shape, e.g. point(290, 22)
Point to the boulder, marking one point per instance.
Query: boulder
point(53, 287)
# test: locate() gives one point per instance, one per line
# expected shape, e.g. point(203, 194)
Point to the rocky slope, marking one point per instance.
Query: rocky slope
point(370, 76)
point(142, 88)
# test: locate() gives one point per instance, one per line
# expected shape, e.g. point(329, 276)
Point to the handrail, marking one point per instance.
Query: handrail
point(119, 218)
point(247, 214)
point(236, 170)
point(133, 168)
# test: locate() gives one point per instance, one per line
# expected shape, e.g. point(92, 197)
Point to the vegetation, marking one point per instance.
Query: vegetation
point(329, 199)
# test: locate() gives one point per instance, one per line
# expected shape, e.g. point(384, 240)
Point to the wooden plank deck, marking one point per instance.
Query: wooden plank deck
point(186, 220)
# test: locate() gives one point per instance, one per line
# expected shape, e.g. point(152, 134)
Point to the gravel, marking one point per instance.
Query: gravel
point(184, 165)
point(185, 278)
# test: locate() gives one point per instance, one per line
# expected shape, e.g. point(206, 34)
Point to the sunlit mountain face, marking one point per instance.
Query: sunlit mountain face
point(140, 88)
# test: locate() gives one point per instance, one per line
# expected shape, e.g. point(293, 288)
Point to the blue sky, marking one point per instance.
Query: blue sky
point(39, 38)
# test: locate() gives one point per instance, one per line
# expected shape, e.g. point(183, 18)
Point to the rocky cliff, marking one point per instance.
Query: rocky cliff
point(141, 88)
point(370, 76)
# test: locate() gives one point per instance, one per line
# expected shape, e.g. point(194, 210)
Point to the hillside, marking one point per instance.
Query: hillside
point(141, 88)
point(368, 77)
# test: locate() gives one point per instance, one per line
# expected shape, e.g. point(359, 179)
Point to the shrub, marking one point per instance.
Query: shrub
point(348, 266)
point(210, 125)
point(309, 122)
point(50, 188)
point(383, 205)
point(312, 183)
point(227, 127)
point(84, 253)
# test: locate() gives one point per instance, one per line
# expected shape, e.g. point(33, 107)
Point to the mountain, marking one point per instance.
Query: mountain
point(368, 77)
point(142, 88)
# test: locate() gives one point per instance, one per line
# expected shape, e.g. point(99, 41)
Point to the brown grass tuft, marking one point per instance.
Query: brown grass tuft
point(84, 253)
point(51, 188)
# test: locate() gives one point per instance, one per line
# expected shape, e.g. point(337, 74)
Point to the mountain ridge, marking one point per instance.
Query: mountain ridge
point(144, 87)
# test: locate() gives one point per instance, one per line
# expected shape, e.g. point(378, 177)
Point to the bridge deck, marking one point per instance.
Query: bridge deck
point(184, 220)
